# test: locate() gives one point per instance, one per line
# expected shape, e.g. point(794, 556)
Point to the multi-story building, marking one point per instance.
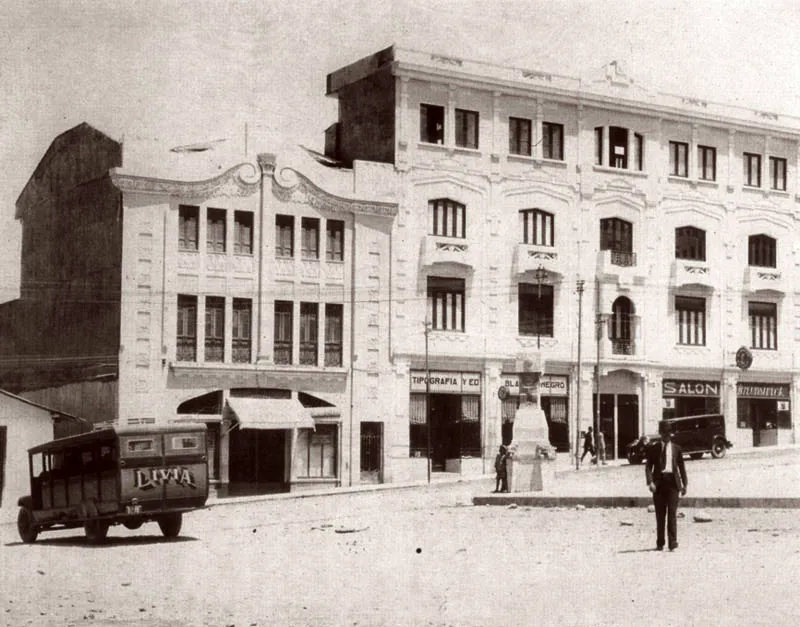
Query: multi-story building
point(676, 215)
point(195, 282)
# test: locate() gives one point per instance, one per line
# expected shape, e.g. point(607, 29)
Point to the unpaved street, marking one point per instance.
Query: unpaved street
point(421, 557)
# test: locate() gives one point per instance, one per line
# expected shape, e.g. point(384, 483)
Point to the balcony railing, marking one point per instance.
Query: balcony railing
point(215, 349)
point(241, 351)
point(308, 353)
point(186, 349)
point(283, 352)
point(622, 347)
point(333, 354)
point(622, 258)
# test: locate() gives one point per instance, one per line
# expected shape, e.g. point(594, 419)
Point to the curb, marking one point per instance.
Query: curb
point(638, 501)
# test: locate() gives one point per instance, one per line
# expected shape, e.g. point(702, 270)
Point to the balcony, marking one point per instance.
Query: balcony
point(761, 279)
point(621, 266)
point(623, 347)
point(438, 249)
point(529, 257)
point(693, 272)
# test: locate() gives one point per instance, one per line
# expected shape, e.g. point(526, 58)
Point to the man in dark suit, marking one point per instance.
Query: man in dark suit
point(666, 478)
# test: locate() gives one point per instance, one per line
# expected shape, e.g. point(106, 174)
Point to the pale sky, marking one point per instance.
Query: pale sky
point(197, 70)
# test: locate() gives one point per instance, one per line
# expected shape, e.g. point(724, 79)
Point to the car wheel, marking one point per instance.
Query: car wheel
point(96, 530)
point(170, 524)
point(25, 526)
point(695, 455)
point(718, 449)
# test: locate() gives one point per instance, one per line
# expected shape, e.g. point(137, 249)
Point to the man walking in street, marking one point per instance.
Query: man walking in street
point(588, 445)
point(666, 477)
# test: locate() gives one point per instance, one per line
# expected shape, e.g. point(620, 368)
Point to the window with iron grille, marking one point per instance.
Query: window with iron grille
point(215, 230)
point(763, 325)
point(431, 124)
point(284, 236)
point(283, 332)
point(187, 227)
point(690, 243)
point(466, 128)
point(186, 334)
point(690, 319)
point(553, 141)
point(333, 334)
point(761, 251)
point(752, 169)
point(679, 159)
point(535, 309)
point(519, 136)
point(215, 328)
point(309, 333)
point(538, 227)
point(446, 303)
point(620, 324)
point(241, 329)
point(616, 235)
point(243, 232)
point(448, 218)
point(334, 232)
point(707, 163)
point(777, 173)
point(309, 228)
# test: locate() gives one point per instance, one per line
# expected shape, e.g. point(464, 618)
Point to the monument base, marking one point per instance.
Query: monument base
point(528, 473)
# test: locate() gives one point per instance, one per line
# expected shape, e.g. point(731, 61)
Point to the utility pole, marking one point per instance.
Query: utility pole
point(428, 397)
point(599, 335)
point(578, 390)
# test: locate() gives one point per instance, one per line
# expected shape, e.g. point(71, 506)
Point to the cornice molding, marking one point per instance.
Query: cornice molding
point(241, 180)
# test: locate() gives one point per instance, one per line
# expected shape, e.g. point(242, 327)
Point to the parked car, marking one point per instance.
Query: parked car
point(696, 435)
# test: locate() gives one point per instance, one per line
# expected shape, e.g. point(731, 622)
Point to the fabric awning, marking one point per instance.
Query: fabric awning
point(270, 413)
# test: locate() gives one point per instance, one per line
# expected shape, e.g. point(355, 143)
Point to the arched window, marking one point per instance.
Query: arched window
point(690, 243)
point(447, 218)
point(761, 251)
point(620, 325)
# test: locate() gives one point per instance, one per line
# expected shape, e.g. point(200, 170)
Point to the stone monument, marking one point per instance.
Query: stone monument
point(531, 465)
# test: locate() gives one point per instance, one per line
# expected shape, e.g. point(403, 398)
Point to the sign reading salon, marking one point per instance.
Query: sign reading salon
point(446, 382)
point(687, 387)
point(549, 384)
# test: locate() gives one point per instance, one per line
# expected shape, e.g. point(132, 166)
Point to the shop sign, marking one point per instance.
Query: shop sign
point(762, 390)
point(549, 384)
point(444, 382)
point(684, 387)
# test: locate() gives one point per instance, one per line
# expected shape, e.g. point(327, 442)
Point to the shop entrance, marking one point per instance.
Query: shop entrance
point(371, 451)
point(762, 416)
point(619, 421)
point(445, 429)
point(258, 461)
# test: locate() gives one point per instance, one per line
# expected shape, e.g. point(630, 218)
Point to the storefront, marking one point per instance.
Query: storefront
point(553, 395)
point(764, 408)
point(455, 418)
point(689, 397)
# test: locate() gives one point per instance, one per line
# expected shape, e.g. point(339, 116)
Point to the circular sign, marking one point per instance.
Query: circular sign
point(502, 393)
point(744, 358)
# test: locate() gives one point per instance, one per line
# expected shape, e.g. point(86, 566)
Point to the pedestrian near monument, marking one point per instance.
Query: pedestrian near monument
point(666, 478)
point(588, 444)
point(501, 468)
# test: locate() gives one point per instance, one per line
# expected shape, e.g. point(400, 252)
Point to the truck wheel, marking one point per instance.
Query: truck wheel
point(718, 449)
point(133, 523)
point(170, 524)
point(25, 526)
point(95, 530)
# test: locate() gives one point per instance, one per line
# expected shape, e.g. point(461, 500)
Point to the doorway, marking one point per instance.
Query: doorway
point(258, 460)
point(371, 451)
point(445, 429)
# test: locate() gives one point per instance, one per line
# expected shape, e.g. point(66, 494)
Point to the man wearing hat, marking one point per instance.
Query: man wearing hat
point(666, 478)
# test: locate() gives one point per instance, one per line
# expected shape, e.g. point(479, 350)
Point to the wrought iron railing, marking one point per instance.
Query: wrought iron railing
point(622, 347)
point(215, 349)
point(241, 351)
point(623, 258)
point(283, 352)
point(308, 353)
point(186, 349)
point(333, 354)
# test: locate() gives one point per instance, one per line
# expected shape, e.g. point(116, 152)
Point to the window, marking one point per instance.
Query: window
point(446, 303)
point(638, 146)
point(317, 452)
point(243, 232)
point(679, 159)
point(466, 128)
point(309, 332)
point(418, 426)
point(598, 145)
point(553, 141)
point(537, 227)
point(187, 329)
point(616, 235)
point(241, 329)
point(333, 334)
point(535, 309)
point(334, 247)
point(519, 136)
point(752, 170)
point(690, 318)
point(187, 227)
point(284, 236)
point(215, 231)
point(215, 328)
point(309, 235)
point(618, 146)
point(621, 326)
point(761, 251)
point(777, 173)
point(431, 124)
point(763, 325)
point(707, 163)
point(283, 332)
point(447, 218)
point(690, 243)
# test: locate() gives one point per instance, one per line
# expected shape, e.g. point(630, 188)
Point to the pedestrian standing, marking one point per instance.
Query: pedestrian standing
point(601, 447)
point(588, 444)
point(666, 477)
point(501, 468)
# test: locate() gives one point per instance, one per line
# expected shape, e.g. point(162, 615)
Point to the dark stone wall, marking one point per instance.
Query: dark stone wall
point(367, 119)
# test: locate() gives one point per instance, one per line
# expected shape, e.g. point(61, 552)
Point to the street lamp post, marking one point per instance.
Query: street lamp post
point(578, 390)
point(541, 275)
point(428, 399)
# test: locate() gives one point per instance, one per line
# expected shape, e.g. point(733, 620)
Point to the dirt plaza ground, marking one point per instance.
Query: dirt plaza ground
point(421, 556)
